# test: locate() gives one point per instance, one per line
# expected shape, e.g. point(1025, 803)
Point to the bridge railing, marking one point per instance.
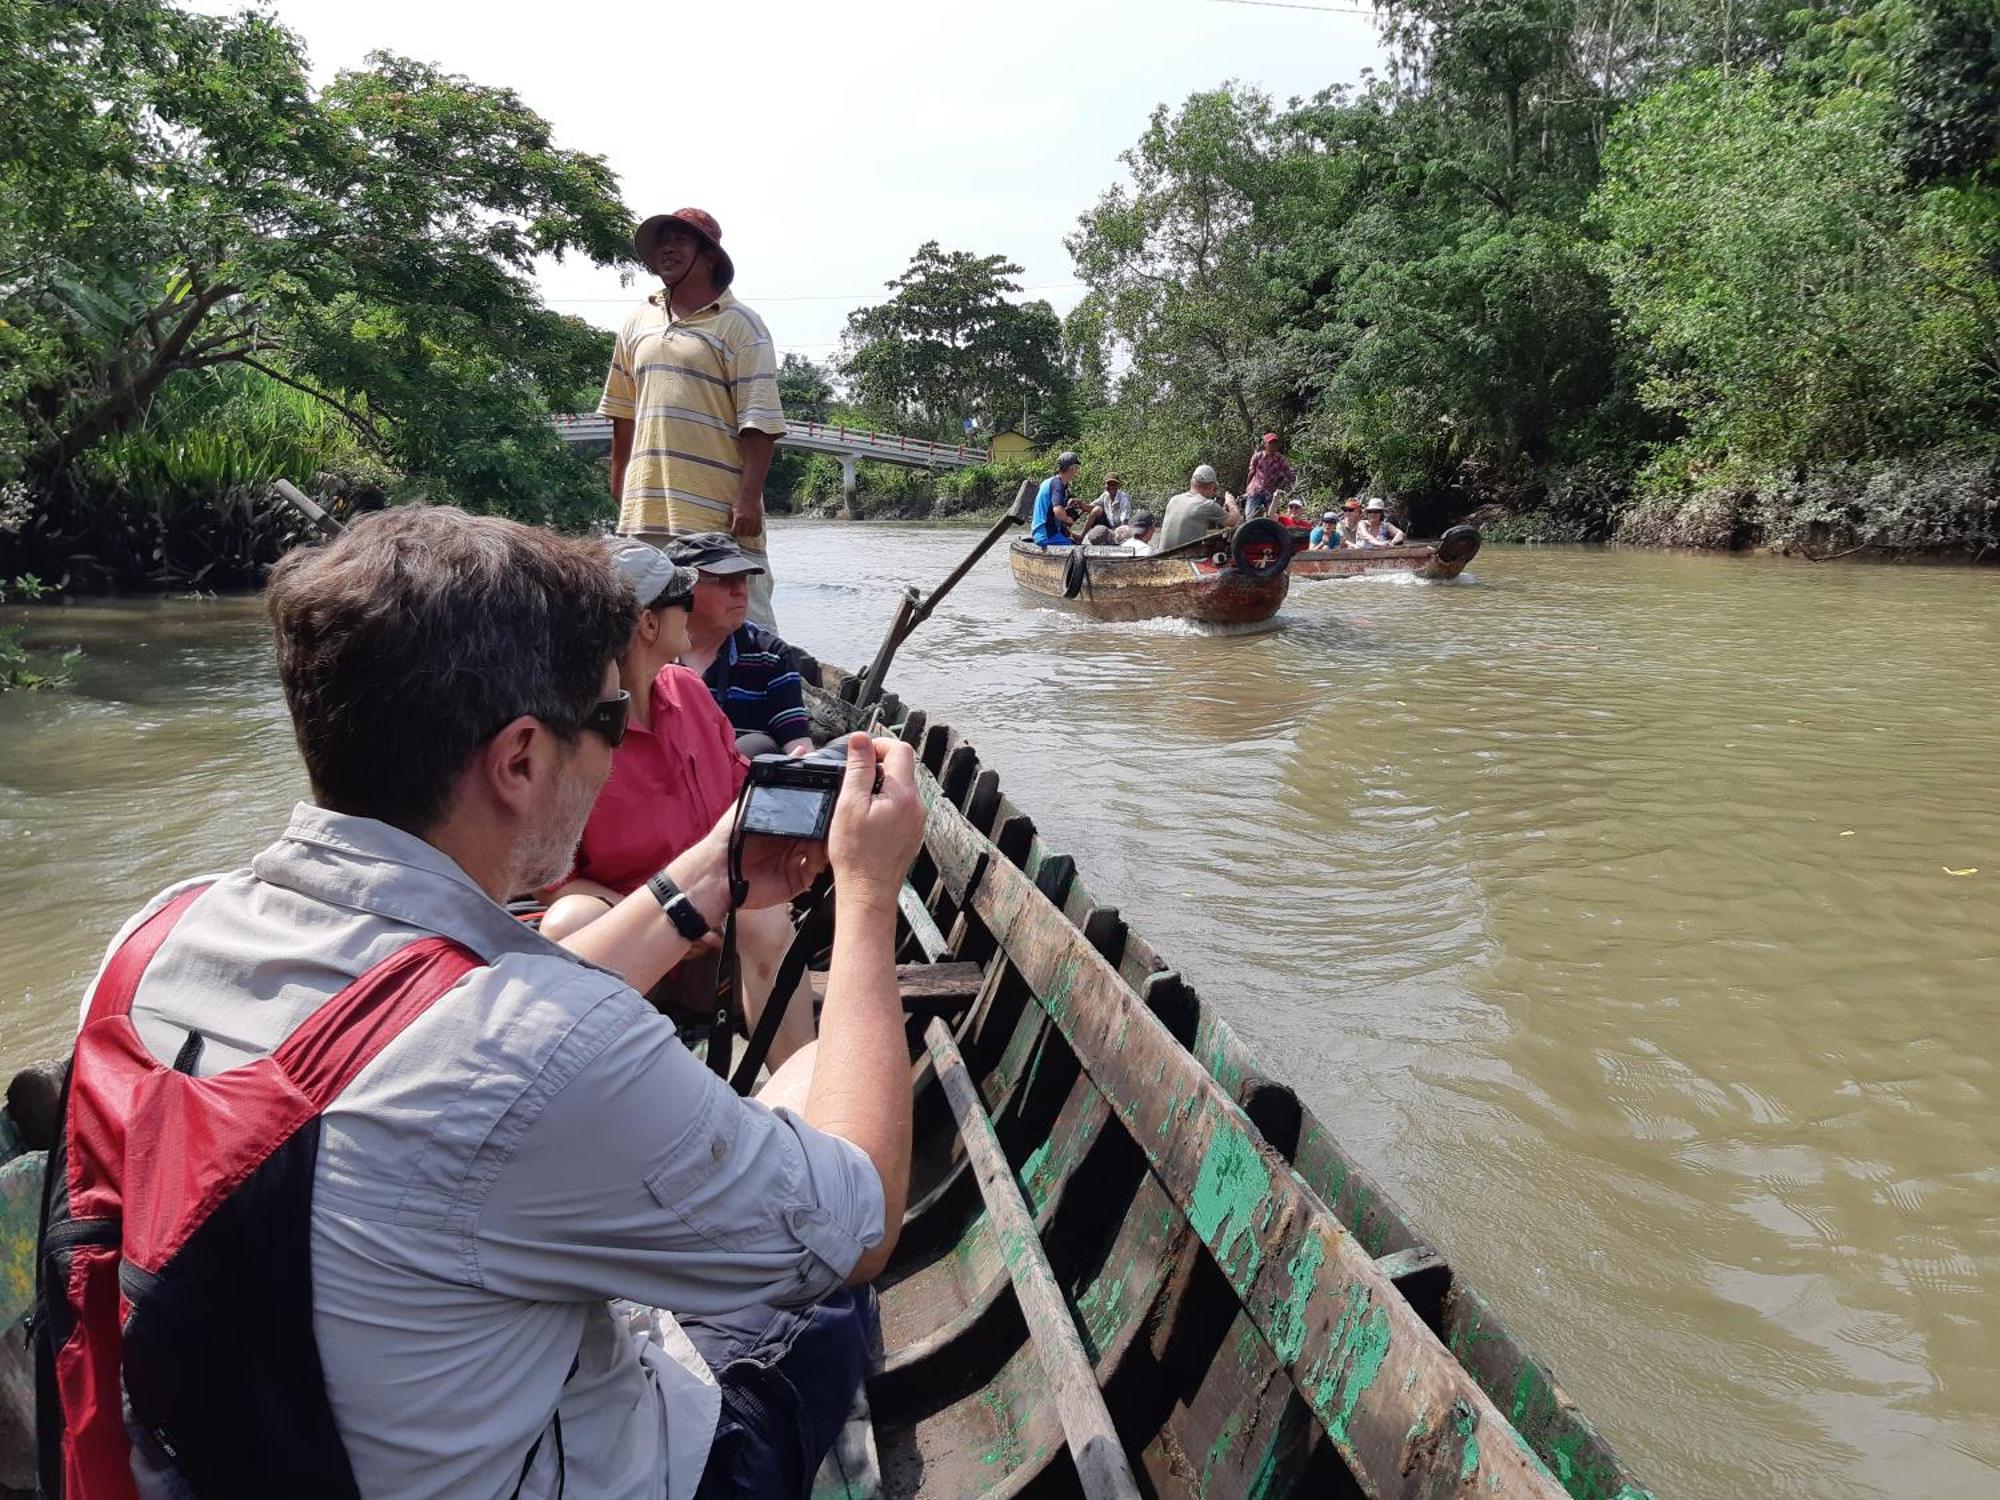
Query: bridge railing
point(872, 444)
point(824, 437)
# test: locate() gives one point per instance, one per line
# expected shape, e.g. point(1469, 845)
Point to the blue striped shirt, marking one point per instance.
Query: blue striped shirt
point(757, 686)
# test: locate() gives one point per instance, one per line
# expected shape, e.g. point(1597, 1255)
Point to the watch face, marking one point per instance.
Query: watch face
point(687, 919)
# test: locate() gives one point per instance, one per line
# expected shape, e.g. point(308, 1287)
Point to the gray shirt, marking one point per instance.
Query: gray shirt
point(534, 1147)
point(1189, 517)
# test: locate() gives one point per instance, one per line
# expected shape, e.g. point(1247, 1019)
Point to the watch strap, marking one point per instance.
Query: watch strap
point(679, 907)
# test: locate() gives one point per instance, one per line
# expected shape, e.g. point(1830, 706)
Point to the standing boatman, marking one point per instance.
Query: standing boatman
point(1270, 472)
point(692, 395)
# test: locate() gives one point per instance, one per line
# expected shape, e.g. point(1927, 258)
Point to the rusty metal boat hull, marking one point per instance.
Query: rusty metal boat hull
point(1118, 586)
point(1258, 1317)
point(1444, 558)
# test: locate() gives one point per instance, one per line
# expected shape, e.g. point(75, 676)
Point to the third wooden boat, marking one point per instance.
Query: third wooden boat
point(1444, 558)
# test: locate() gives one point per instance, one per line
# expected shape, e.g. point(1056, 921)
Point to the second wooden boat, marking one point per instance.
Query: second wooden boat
point(1444, 558)
point(1237, 579)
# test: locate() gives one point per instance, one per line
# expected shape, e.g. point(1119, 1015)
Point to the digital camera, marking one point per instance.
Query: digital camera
point(792, 796)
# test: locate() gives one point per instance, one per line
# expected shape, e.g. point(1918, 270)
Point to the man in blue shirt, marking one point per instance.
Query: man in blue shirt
point(1052, 517)
point(749, 670)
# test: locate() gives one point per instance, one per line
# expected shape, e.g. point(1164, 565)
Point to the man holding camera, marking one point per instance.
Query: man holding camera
point(549, 1252)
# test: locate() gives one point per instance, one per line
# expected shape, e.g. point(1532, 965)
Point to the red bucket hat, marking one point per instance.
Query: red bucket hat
point(701, 222)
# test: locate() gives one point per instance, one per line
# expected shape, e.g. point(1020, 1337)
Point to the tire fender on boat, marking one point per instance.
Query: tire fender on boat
point(1076, 572)
point(1261, 548)
point(1458, 546)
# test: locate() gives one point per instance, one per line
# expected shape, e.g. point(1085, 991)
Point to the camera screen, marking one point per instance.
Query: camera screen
point(787, 812)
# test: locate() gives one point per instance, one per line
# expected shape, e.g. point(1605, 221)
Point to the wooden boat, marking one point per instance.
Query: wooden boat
point(1235, 580)
point(1133, 1262)
point(1444, 558)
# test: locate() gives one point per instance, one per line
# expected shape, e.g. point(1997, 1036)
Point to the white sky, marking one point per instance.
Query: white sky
point(831, 140)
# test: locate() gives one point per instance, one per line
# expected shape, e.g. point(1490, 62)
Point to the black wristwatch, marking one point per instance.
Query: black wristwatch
point(679, 907)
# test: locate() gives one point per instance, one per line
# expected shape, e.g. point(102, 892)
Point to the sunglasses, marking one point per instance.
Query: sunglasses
point(608, 719)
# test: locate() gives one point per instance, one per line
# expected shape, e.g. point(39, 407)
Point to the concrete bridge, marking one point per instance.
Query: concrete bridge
point(848, 444)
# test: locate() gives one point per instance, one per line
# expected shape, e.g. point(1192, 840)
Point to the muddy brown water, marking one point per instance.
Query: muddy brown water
point(1602, 902)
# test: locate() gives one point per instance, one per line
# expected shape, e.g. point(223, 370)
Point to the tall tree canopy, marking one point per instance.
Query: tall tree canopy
point(949, 344)
point(176, 196)
point(1569, 251)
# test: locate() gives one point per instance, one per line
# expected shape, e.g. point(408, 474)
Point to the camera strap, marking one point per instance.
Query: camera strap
point(814, 931)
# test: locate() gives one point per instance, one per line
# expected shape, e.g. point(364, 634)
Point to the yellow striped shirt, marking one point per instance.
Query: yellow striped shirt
point(689, 387)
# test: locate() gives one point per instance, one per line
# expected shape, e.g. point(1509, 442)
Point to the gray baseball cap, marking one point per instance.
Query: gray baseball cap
point(1203, 474)
point(655, 579)
point(716, 553)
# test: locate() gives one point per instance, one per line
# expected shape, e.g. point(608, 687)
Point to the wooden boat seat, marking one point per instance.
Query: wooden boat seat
point(927, 989)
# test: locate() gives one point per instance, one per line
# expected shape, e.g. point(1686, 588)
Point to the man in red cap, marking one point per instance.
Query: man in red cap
point(693, 400)
point(1269, 473)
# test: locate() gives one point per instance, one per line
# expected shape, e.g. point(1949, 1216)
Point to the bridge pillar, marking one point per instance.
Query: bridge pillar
point(847, 483)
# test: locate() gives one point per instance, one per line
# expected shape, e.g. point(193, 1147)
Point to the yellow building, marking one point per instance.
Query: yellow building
point(1008, 444)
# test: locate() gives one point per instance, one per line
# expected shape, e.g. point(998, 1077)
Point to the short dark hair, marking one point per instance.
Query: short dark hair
point(408, 642)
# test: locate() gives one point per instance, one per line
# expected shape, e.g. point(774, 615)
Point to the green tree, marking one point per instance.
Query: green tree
point(178, 197)
point(949, 344)
point(1173, 267)
point(1794, 302)
point(805, 388)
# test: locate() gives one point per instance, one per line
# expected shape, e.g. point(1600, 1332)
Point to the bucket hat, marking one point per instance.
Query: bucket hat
point(701, 222)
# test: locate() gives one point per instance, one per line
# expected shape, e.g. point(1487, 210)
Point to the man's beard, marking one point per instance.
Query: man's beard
point(546, 854)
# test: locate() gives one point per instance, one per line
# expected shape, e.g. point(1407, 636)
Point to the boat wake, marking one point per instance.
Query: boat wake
point(1160, 625)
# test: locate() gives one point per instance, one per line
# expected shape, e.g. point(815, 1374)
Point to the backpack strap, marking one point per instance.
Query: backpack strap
point(122, 971)
point(340, 1038)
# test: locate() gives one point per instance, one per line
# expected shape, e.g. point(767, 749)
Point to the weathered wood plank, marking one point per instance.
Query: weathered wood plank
point(1101, 1465)
point(927, 989)
point(1404, 1416)
point(922, 926)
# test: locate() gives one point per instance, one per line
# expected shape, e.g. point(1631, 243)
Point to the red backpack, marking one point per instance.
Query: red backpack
point(174, 1346)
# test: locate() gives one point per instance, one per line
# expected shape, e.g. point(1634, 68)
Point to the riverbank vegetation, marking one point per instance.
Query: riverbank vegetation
point(1667, 271)
point(213, 273)
point(1662, 270)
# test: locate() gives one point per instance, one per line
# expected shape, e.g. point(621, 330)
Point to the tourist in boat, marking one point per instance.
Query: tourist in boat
point(1377, 530)
point(1137, 537)
point(550, 1252)
point(1326, 535)
point(1350, 523)
point(692, 394)
point(748, 669)
point(1114, 504)
point(1053, 520)
point(1270, 472)
point(674, 775)
point(1197, 511)
point(1108, 512)
point(1293, 517)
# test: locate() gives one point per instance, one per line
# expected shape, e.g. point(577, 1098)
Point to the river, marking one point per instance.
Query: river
point(1634, 917)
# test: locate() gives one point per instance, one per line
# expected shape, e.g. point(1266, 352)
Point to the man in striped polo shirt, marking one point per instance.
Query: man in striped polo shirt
point(749, 671)
point(693, 400)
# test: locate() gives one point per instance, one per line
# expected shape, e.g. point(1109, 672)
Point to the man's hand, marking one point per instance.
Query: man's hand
point(875, 835)
point(746, 517)
point(775, 869)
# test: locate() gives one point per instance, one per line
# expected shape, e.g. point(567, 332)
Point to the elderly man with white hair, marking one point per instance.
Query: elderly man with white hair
point(1195, 512)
